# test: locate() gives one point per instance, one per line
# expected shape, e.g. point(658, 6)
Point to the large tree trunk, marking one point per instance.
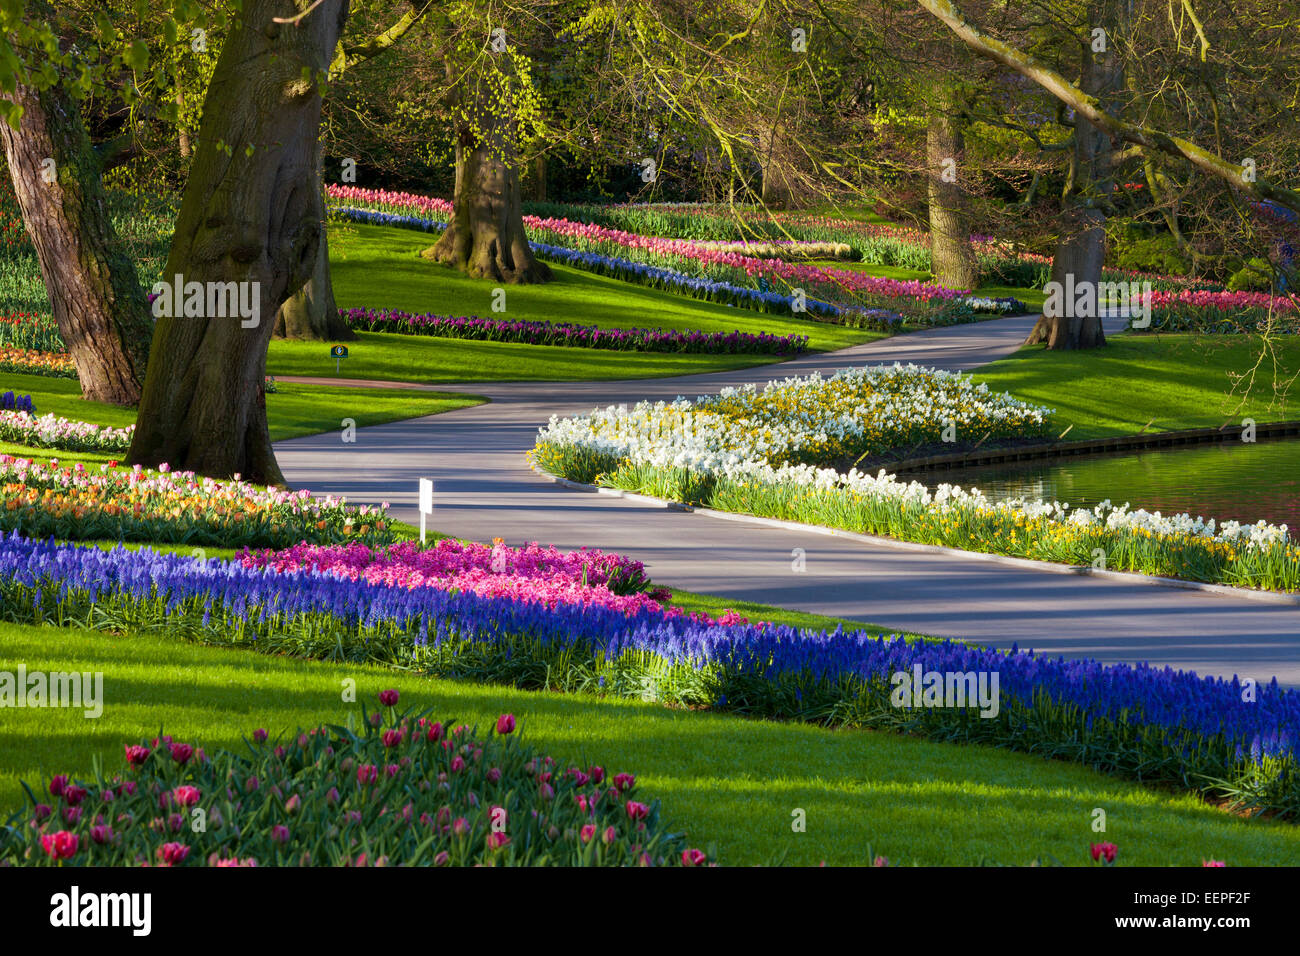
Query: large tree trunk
point(100, 309)
point(485, 237)
point(951, 253)
point(311, 312)
point(1081, 250)
point(249, 215)
point(774, 187)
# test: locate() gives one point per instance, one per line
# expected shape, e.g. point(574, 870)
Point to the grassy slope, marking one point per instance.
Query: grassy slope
point(724, 780)
point(1172, 381)
point(379, 267)
point(293, 410)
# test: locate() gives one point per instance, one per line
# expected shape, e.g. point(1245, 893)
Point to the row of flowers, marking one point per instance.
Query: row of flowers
point(17, 403)
point(851, 290)
point(885, 244)
point(49, 431)
point(30, 331)
point(529, 573)
point(1215, 736)
point(742, 452)
point(32, 362)
point(74, 504)
point(809, 419)
point(574, 336)
point(400, 789)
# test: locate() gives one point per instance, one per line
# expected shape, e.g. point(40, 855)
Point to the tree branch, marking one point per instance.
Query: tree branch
point(1090, 108)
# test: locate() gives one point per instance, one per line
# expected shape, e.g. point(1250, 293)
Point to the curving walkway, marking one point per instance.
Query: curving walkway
point(484, 489)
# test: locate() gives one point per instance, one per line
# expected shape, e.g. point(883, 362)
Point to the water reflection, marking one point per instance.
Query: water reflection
point(1231, 480)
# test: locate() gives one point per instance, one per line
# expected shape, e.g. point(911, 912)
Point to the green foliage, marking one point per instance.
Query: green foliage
point(1159, 254)
point(1254, 276)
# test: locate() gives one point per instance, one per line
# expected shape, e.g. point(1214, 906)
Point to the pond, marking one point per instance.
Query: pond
point(1229, 480)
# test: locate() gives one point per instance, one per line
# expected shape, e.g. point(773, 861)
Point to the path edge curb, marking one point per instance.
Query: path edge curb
point(1049, 567)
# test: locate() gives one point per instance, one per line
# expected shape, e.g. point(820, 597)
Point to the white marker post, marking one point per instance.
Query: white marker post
point(426, 503)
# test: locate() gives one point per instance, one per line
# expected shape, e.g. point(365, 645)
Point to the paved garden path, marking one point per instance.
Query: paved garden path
point(484, 489)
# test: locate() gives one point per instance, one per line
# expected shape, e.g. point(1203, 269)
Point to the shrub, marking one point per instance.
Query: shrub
point(1158, 254)
point(1254, 276)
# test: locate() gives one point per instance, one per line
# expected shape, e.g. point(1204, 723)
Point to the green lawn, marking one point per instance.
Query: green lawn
point(1171, 381)
point(723, 780)
point(380, 267)
point(292, 410)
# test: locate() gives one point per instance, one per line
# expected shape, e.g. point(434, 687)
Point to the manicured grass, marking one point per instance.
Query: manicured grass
point(293, 410)
point(723, 780)
point(714, 605)
point(379, 267)
point(1170, 381)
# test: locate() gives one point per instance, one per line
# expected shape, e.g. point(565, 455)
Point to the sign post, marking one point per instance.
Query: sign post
point(426, 504)
point(338, 353)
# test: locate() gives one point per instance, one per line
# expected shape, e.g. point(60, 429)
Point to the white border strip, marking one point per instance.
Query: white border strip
point(1049, 567)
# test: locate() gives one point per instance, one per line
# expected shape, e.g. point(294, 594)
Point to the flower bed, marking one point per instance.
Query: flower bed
point(24, 428)
point(1205, 734)
point(73, 504)
point(809, 420)
point(574, 336)
point(403, 790)
point(30, 362)
point(1208, 312)
point(761, 455)
point(28, 330)
point(592, 246)
point(532, 574)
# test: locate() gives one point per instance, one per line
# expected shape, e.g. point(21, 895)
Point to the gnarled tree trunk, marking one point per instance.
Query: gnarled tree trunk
point(249, 215)
point(951, 253)
point(485, 237)
point(311, 312)
point(100, 309)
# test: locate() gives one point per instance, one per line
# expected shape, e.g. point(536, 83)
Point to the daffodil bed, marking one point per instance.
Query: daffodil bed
point(765, 453)
point(74, 504)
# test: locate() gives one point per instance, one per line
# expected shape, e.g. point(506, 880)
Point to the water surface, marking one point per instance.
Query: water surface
point(1227, 480)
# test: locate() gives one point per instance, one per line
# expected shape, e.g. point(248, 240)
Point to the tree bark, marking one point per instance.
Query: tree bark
point(249, 216)
point(951, 253)
point(311, 313)
point(98, 305)
point(1081, 250)
point(485, 237)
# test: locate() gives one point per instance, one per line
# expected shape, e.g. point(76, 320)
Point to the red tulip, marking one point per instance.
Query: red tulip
point(506, 724)
point(61, 845)
point(173, 853)
point(1104, 850)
